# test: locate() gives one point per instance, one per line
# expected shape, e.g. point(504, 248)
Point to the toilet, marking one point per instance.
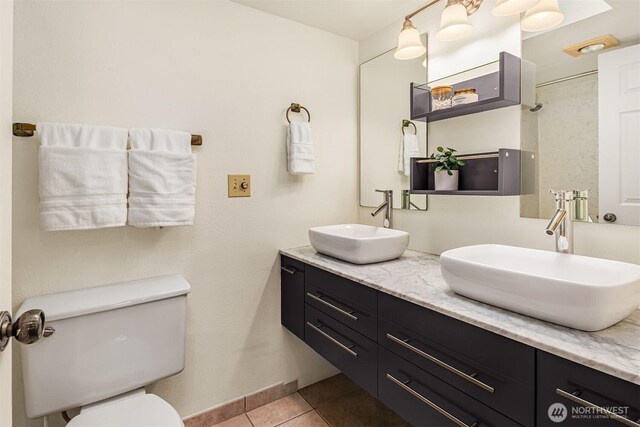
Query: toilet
point(109, 343)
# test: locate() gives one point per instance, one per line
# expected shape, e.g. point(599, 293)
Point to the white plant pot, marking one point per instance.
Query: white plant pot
point(446, 182)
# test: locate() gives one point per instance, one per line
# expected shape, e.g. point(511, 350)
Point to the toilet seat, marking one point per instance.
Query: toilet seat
point(132, 409)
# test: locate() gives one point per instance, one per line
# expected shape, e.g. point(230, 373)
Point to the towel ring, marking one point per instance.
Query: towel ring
point(296, 109)
point(407, 123)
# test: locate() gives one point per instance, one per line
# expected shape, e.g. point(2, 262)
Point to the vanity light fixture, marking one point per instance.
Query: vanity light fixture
point(454, 21)
point(545, 15)
point(454, 25)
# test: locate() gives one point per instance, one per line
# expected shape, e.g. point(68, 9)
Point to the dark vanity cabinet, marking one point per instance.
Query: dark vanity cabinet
point(572, 394)
point(292, 295)
point(432, 369)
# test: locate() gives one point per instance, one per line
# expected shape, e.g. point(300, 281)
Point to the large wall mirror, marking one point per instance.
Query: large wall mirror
point(583, 130)
point(386, 137)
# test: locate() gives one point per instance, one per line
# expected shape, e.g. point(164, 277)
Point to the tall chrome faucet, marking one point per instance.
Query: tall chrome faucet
point(561, 224)
point(387, 206)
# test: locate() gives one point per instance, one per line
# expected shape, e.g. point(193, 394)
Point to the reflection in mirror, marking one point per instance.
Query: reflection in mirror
point(387, 136)
point(582, 131)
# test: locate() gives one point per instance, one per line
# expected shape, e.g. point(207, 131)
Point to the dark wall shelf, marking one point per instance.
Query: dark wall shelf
point(497, 174)
point(495, 90)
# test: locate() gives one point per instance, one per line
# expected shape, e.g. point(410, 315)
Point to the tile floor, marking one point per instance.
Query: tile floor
point(334, 402)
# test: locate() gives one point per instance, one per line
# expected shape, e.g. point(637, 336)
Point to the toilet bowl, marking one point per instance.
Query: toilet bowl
point(109, 343)
point(132, 409)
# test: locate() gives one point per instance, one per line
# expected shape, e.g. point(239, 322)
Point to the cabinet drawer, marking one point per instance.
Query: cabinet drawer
point(424, 400)
point(351, 303)
point(508, 396)
point(488, 350)
point(347, 350)
point(292, 295)
point(559, 379)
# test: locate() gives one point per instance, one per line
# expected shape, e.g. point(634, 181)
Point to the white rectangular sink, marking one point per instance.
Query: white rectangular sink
point(570, 290)
point(359, 244)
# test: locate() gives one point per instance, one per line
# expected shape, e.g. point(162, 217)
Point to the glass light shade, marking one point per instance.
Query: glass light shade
point(454, 23)
point(545, 15)
point(409, 44)
point(512, 7)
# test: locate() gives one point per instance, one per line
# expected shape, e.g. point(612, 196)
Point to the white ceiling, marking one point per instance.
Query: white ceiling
point(354, 19)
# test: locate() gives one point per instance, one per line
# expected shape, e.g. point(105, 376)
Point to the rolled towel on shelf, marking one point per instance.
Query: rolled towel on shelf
point(409, 147)
point(300, 153)
point(162, 178)
point(83, 176)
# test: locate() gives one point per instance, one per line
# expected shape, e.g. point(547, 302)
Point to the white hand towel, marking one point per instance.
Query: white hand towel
point(300, 154)
point(83, 176)
point(162, 178)
point(409, 147)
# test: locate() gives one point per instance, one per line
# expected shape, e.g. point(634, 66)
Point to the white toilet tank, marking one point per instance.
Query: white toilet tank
point(108, 340)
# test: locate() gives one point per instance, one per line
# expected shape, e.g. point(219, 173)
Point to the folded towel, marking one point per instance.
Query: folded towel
point(409, 147)
point(83, 176)
point(162, 178)
point(300, 155)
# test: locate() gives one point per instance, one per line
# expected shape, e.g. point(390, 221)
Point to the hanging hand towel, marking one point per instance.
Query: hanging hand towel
point(83, 176)
point(409, 148)
point(162, 178)
point(300, 155)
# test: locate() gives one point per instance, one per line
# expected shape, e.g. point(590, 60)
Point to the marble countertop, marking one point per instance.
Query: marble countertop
point(416, 277)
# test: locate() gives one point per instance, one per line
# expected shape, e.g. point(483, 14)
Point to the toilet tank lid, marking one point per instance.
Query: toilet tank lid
point(63, 305)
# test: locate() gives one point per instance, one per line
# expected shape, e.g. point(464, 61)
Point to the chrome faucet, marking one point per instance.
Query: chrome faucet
point(387, 206)
point(561, 224)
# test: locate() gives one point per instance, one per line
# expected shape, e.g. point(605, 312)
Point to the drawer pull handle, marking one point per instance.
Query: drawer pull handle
point(471, 378)
point(574, 398)
point(349, 314)
point(332, 339)
point(289, 270)
point(423, 399)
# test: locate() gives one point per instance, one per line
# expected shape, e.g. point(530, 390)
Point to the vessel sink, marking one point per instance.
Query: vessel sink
point(359, 244)
point(570, 290)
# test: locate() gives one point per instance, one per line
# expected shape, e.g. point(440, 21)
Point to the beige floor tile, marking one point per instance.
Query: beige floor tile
point(239, 421)
point(310, 419)
point(359, 409)
point(278, 412)
point(327, 389)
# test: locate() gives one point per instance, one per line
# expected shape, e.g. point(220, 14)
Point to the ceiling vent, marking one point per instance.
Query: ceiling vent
point(593, 45)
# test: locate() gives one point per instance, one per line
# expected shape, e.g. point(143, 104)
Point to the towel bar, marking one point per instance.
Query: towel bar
point(296, 109)
point(28, 129)
point(407, 123)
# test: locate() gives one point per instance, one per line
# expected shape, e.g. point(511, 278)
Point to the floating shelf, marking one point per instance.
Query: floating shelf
point(484, 174)
point(497, 85)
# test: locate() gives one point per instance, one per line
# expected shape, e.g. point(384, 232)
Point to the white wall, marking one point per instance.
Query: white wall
point(227, 72)
point(454, 221)
point(6, 76)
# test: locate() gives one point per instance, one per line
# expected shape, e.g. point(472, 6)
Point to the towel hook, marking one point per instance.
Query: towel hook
point(296, 109)
point(407, 123)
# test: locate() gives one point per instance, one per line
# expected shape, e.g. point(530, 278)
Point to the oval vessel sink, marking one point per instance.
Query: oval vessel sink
point(359, 244)
point(570, 290)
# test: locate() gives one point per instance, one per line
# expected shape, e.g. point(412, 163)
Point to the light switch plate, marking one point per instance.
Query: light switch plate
point(239, 185)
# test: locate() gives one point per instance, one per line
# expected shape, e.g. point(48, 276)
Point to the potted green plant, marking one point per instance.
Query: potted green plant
point(447, 167)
